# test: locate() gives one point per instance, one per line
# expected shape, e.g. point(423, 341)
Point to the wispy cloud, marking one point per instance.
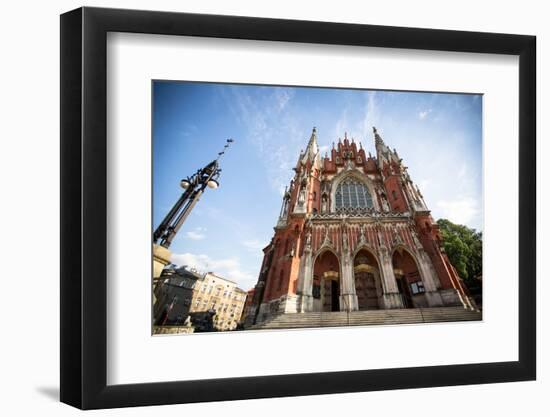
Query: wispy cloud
point(230, 268)
point(282, 97)
point(372, 115)
point(196, 234)
point(424, 113)
point(272, 129)
point(461, 210)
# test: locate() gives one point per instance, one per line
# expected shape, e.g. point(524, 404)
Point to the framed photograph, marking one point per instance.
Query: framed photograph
point(257, 208)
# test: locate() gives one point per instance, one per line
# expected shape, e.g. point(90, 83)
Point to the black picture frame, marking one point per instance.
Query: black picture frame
point(84, 207)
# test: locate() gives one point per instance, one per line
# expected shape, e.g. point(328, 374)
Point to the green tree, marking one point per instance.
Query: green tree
point(464, 249)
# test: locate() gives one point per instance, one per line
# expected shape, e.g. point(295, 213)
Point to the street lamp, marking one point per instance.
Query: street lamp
point(194, 187)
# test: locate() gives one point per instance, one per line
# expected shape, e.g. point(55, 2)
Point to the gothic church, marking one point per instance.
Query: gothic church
point(354, 233)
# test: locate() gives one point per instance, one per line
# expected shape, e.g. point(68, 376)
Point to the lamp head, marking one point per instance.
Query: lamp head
point(185, 183)
point(212, 183)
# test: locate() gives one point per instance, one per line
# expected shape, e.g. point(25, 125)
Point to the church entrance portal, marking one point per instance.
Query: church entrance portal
point(409, 281)
point(330, 294)
point(367, 281)
point(326, 282)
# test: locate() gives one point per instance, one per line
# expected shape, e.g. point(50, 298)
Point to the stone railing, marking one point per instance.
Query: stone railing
point(355, 212)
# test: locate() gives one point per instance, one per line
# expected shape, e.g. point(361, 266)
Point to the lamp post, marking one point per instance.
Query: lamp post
point(194, 187)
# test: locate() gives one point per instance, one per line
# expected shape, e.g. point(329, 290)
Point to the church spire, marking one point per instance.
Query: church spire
point(313, 138)
point(312, 149)
point(377, 139)
point(383, 153)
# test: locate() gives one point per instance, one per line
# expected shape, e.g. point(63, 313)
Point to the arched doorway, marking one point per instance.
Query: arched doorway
point(367, 281)
point(409, 281)
point(326, 282)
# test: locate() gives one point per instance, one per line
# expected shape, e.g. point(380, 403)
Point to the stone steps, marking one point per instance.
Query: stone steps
point(369, 318)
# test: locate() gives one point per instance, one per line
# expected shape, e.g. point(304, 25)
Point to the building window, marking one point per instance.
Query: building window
point(417, 287)
point(352, 193)
point(394, 194)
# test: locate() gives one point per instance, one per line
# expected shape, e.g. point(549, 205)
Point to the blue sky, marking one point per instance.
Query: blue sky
point(439, 137)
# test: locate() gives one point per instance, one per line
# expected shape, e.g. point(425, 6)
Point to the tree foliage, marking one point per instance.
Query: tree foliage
point(464, 249)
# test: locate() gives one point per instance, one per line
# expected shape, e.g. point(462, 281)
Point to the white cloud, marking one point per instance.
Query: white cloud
point(229, 268)
point(282, 97)
point(462, 210)
point(372, 115)
point(273, 130)
point(196, 234)
point(423, 114)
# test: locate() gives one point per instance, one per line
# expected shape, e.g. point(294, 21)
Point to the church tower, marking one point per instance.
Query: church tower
point(353, 233)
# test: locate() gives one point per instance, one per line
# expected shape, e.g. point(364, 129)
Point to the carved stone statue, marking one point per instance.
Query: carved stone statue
point(380, 237)
point(327, 240)
point(396, 235)
point(302, 196)
point(345, 244)
point(362, 238)
point(308, 240)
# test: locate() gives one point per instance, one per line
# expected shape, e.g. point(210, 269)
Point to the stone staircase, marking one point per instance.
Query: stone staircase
point(369, 318)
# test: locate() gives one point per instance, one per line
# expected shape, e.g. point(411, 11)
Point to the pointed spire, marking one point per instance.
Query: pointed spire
point(313, 138)
point(377, 139)
point(312, 149)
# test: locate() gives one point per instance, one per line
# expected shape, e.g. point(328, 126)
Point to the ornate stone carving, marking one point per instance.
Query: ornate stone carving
point(302, 197)
point(381, 242)
point(384, 200)
point(396, 235)
point(326, 240)
point(362, 239)
point(356, 212)
point(345, 243)
point(308, 241)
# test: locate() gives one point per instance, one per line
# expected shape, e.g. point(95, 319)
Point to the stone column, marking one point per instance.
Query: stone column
point(305, 282)
point(391, 296)
point(348, 296)
point(433, 297)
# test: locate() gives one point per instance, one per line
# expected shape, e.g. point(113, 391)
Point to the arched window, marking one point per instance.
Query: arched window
point(352, 193)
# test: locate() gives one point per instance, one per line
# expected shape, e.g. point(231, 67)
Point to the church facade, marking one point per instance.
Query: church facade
point(354, 233)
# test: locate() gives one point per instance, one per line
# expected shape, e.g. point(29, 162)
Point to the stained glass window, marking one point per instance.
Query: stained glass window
point(352, 193)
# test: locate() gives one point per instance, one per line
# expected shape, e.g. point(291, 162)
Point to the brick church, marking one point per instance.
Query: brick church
point(354, 233)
